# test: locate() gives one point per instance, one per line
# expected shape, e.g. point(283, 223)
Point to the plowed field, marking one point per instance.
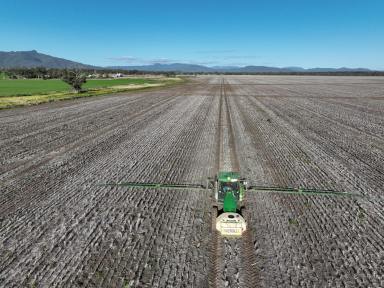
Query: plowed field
point(59, 228)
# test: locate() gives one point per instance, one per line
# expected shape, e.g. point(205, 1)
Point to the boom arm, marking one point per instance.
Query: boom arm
point(156, 185)
point(300, 191)
point(257, 189)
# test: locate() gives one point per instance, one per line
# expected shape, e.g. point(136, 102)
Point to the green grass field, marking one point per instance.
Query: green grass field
point(31, 87)
point(39, 87)
point(3, 76)
point(15, 93)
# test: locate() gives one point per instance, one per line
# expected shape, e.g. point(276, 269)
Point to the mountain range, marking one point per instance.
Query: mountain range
point(29, 59)
point(193, 68)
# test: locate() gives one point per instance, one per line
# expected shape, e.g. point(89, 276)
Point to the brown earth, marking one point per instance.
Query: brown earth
point(58, 228)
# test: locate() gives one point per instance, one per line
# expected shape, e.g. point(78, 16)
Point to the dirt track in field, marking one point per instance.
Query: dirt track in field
point(58, 228)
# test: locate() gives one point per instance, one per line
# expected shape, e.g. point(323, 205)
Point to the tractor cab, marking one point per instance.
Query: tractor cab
point(229, 191)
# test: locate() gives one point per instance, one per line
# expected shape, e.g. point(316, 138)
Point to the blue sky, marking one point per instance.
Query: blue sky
point(307, 33)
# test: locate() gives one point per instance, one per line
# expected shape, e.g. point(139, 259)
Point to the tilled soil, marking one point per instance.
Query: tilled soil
point(315, 132)
point(59, 228)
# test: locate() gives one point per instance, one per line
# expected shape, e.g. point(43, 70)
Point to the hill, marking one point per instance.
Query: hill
point(30, 59)
point(192, 68)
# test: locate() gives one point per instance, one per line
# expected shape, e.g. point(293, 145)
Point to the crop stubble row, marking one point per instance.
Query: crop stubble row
point(299, 138)
point(59, 228)
point(234, 258)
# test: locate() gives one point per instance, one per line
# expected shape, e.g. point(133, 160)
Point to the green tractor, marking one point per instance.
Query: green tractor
point(228, 192)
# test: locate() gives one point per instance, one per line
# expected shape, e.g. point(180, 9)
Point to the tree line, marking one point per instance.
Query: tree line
point(54, 73)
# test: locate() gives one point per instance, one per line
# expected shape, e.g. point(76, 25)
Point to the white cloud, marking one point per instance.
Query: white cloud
point(141, 61)
point(214, 60)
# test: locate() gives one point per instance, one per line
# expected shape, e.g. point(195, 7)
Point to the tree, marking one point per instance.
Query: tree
point(170, 74)
point(74, 78)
